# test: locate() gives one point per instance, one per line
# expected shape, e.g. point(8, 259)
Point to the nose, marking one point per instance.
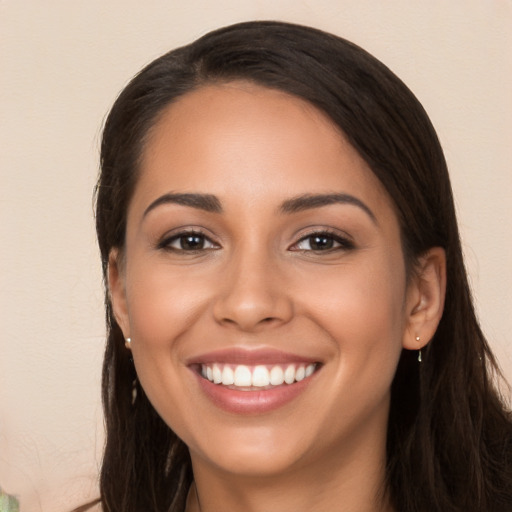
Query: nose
point(253, 294)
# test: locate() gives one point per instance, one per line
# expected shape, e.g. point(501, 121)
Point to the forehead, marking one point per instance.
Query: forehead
point(255, 142)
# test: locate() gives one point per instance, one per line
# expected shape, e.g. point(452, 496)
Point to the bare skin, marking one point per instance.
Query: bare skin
point(247, 264)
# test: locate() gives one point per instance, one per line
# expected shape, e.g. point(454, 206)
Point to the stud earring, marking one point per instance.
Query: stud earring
point(127, 343)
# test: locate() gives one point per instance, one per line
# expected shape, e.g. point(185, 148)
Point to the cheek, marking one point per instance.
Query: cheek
point(361, 307)
point(163, 309)
point(362, 313)
point(163, 303)
point(361, 297)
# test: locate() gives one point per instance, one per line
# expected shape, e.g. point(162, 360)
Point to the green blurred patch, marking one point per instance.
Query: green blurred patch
point(8, 503)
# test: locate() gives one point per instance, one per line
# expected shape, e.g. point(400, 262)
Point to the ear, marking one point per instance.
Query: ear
point(425, 299)
point(117, 290)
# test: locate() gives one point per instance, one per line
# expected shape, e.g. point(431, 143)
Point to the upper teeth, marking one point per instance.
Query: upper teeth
point(256, 376)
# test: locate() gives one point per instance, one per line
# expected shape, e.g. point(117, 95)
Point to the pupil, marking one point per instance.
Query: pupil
point(192, 242)
point(321, 242)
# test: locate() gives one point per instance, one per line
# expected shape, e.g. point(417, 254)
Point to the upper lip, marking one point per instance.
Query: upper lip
point(250, 357)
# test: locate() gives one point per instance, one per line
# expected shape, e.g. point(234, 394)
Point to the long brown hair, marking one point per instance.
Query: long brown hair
point(449, 444)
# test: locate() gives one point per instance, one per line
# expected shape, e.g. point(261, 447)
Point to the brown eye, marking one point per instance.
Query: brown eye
point(191, 242)
point(319, 242)
point(188, 242)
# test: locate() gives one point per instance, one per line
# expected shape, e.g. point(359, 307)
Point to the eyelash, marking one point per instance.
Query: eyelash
point(330, 237)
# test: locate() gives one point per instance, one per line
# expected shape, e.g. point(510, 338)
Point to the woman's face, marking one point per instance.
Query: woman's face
point(263, 253)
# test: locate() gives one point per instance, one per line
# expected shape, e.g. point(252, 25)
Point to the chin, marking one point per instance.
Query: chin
point(258, 452)
point(254, 463)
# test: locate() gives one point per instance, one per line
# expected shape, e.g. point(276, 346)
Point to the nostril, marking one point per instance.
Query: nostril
point(252, 309)
point(252, 324)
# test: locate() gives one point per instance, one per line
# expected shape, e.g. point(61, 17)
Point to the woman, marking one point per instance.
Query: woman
point(290, 325)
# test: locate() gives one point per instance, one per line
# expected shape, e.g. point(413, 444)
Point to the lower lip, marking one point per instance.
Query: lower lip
point(252, 402)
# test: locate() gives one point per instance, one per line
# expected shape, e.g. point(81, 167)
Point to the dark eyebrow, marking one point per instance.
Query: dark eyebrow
point(207, 202)
point(309, 201)
point(211, 203)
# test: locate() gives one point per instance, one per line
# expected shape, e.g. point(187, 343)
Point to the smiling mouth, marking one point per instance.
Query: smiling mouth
point(256, 378)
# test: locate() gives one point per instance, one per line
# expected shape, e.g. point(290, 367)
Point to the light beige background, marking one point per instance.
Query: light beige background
point(62, 64)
